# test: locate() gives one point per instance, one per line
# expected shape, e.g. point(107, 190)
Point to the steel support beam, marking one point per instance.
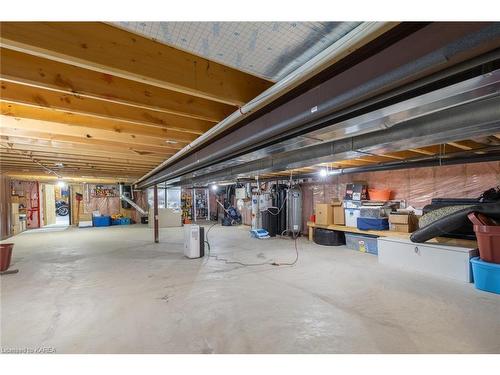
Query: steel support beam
point(155, 215)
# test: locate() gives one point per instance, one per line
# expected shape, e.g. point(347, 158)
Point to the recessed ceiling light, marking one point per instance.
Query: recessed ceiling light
point(171, 142)
point(59, 164)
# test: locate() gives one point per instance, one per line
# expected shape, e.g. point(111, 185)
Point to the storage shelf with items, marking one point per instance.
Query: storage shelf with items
point(187, 206)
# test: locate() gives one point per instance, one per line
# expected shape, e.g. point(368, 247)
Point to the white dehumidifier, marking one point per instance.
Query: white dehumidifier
point(194, 241)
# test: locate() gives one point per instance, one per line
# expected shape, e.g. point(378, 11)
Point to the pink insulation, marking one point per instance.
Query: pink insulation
point(416, 186)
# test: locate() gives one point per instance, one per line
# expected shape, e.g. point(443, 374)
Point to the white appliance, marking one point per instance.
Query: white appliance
point(194, 241)
point(351, 217)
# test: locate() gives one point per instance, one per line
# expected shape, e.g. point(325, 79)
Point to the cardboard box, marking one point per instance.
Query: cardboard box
point(338, 212)
point(324, 213)
point(403, 223)
point(14, 198)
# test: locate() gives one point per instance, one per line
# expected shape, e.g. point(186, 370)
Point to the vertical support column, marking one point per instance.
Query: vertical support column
point(38, 203)
point(207, 192)
point(194, 205)
point(155, 214)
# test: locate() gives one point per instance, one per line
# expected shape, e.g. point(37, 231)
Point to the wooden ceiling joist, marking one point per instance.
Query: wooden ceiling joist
point(460, 145)
point(46, 74)
point(107, 49)
point(27, 161)
point(70, 178)
point(30, 173)
point(75, 148)
point(14, 93)
point(81, 132)
point(70, 150)
point(106, 144)
point(54, 159)
point(92, 123)
point(55, 131)
point(77, 168)
point(66, 155)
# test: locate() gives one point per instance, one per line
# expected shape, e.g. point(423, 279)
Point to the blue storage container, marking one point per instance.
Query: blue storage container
point(101, 221)
point(486, 275)
point(361, 242)
point(121, 221)
point(370, 223)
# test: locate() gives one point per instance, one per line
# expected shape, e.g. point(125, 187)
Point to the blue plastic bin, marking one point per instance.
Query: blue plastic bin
point(121, 221)
point(370, 223)
point(363, 243)
point(486, 275)
point(101, 221)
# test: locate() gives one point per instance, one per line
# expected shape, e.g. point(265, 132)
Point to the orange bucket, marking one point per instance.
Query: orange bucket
point(379, 194)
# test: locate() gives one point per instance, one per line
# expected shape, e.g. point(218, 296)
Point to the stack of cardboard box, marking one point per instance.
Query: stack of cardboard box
point(330, 213)
point(403, 222)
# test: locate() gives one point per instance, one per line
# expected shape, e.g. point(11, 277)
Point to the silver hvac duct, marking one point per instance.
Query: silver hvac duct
point(358, 37)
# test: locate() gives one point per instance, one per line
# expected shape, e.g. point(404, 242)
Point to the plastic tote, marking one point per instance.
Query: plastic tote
point(369, 223)
point(486, 275)
point(362, 243)
point(101, 221)
point(5, 256)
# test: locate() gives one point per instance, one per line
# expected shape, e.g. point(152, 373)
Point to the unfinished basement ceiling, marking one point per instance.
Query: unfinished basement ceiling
point(270, 50)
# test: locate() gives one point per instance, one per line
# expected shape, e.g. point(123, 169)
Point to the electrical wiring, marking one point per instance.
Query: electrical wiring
point(274, 263)
point(227, 261)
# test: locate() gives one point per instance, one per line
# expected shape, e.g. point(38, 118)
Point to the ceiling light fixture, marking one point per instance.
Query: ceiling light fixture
point(171, 142)
point(329, 172)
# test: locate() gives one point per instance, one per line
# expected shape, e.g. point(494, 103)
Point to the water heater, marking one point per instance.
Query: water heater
point(294, 211)
point(194, 241)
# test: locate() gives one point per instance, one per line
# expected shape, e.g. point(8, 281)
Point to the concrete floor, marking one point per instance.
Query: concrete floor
point(111, 290)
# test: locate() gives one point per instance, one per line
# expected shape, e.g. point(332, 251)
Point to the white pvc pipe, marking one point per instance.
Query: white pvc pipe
point(355, 39)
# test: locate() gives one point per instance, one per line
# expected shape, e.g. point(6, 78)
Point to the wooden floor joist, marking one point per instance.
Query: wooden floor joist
point(106, 49)
point(54, 159)
point(83, 132)
point(67, 79)
point(103, 144)
point(72, 151)
point(93, 123)
point(13, 93)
